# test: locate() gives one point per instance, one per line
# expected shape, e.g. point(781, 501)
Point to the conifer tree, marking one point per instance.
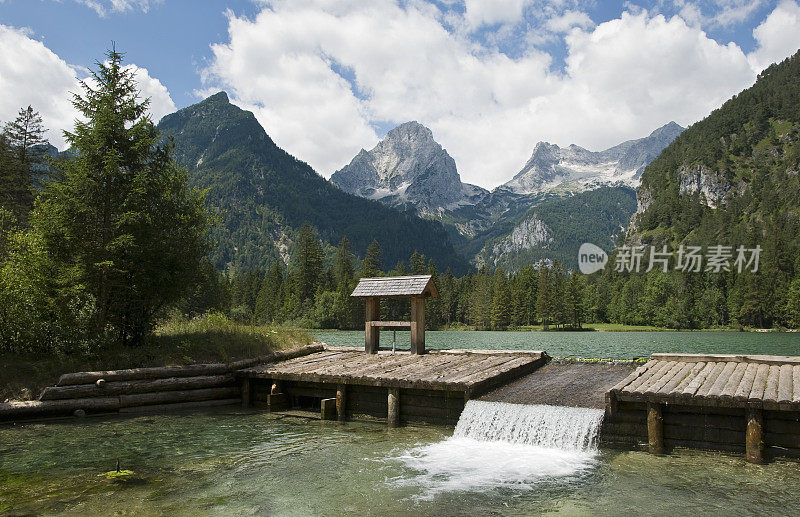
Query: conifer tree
point(25, 133)
point(417, 263)
point(308, 263)
point(19, 156)
point(371, 265)
point(344, 263)
point(123, 223)
point(501, 301)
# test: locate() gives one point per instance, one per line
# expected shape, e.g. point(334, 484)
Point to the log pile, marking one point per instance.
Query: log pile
point(157, 389)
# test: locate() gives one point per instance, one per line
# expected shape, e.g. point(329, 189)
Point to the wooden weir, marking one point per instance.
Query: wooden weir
point(747, 403)
point(400, 387)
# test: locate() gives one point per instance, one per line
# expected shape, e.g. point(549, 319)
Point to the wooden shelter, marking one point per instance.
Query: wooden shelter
point(417, 288)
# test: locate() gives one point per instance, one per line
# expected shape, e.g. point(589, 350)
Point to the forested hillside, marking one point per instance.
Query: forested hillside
point(555, 229)
point(263, 195)
point(732, 179)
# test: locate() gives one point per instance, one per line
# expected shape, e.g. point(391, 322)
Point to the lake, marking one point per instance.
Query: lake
point(233, 461)
point(618, 345)
point(247, 462)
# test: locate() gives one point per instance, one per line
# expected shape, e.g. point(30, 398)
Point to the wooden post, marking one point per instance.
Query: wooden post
point(372, 334)
point(327, 409)
point(277, 400)
point(341, 402)
point(393, 416)
point(655, 428)
point(417, 325)
point(245, 392)
point(754, 438)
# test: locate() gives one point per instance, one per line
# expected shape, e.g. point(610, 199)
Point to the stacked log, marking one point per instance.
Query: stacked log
point(134, 390)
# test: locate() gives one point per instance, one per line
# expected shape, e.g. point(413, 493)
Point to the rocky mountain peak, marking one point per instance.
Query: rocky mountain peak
point(573, 168)
point(407, 168)
point(411, 131)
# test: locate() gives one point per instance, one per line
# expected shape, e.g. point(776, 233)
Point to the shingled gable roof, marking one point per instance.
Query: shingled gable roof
point(419, 285)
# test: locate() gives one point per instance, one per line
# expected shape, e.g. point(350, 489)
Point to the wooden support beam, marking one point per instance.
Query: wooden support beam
point(372, 334)
point(754, 440)
point(341, 402)
point(655, 428)
point(245, 392)
point(389, 323)
point(417, 325)
point(327, 409)
point(277, 402)
point(393, 415)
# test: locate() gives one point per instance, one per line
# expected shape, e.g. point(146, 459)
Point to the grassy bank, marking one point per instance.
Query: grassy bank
point(213, 338)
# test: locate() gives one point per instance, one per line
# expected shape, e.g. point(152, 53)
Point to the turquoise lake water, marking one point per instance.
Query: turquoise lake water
point(247, 462)
point(618, 345)
point(232, 461)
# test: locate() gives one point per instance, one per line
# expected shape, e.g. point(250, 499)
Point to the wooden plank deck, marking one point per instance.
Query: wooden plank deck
point(464, 371)
point(733, 381)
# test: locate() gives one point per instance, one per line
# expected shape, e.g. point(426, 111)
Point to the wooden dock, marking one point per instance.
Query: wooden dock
point(729, 402)
point(345, 382)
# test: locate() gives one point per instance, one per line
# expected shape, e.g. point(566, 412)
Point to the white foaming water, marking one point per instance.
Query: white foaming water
point(500, 445)
point(559, 427)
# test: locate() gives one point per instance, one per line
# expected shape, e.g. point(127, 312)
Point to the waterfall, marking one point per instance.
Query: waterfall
point(510, 446)
point(555, 427)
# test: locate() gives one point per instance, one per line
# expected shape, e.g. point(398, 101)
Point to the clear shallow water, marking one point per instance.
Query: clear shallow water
point(239, 462)
point(617, 345)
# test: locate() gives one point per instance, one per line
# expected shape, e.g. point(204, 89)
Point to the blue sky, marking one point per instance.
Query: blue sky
point(327, 78)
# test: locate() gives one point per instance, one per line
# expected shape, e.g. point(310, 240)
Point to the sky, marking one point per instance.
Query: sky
point(326, 78)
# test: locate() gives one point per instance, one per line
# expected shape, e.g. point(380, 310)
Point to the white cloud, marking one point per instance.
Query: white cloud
point(32, 74)
point(570, 19)
point(320, 74)
point(104, 7)
point(717, 13)
point(149, 87)
point(492, 12)
point(778, 36)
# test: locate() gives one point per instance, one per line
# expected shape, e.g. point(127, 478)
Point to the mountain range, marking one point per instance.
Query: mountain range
point(409, 170)
point(263, 195)
point(406, 193)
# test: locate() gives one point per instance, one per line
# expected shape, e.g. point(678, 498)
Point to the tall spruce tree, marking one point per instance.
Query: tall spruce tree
point(122, 223)
point(308, 264)
point(20, 152)
point(501, 301)
point(371, 265)
point(343, 263)
point(25, 133)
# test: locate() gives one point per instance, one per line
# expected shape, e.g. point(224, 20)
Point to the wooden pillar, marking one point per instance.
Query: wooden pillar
point(341, 402)
point(372, 334)
point(245, 392)
point(393, 416)
point(327, 409)
point(417, 325)
point(655, 428)
point(754, 438)
point(277, 400)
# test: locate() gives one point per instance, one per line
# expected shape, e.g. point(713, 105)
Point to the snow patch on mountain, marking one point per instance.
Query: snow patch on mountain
point(575, 169)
